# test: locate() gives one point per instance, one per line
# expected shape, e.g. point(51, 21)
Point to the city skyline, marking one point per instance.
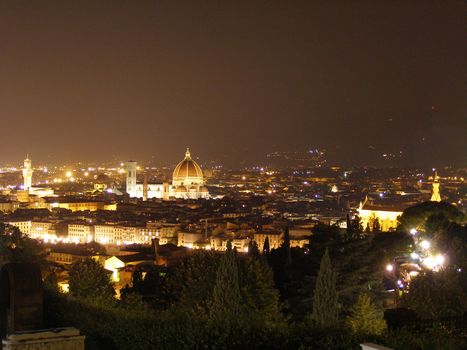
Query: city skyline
point(109, 80)
point(233, 174)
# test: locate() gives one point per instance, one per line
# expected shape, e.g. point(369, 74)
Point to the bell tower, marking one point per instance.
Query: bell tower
point(131, 178)
point(435, 196)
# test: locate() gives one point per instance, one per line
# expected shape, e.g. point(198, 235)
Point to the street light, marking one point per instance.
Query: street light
point(425, 244)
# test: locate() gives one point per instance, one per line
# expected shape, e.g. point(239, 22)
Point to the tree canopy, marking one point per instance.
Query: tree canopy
point(417, 216)
point(365, 318)
point(89, 280)
point(18, 247)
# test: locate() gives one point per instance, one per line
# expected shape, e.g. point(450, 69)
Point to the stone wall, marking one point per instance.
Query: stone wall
point(49, 339)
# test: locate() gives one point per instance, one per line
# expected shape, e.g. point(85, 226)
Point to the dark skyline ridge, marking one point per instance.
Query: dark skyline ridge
point(96, 81)
point(223, 160)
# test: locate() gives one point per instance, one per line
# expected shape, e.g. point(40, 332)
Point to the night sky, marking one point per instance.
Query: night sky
point(103, 80)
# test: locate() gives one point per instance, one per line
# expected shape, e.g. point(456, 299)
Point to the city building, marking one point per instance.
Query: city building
point(387, 215)
point(435, 195)
point(275, 239)
point(27, 174)
point(27, 184)
point(81, 233)
point(187, 182)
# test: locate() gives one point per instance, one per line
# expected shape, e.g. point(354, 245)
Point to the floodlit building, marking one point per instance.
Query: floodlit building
point(189, 239)
point(387, 215)
point(275, 239)
point(435, 195)
point(113, 234)
point(187, 182)
point(27, 183)
point(80, 233)
point(78, 204)
point(27, 174)
point(23, 225)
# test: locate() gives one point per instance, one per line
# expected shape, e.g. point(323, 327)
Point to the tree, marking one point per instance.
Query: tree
point(376, 226)
point(365, 318)
point(266, 248)
point(51, 283)
point(190, 284)
point(325, 303)
point(349, 226)
point(354, 227)
point(89, 280)
point(417, 215)
point(150, 284)
point(358, 226)
point(253, 249)
point(286, 249)
point(226, 302)
point(436, 295)
point(17, 247)
point(258, 293)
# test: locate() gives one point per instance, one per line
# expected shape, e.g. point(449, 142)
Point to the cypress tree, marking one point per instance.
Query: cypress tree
point(357, 225)
point(226, 302)
point(266, 249)
point(325, 304)
point(376, 226)
point(286, 248)
point(253, 249)
point(257, 289)
point(349, 229)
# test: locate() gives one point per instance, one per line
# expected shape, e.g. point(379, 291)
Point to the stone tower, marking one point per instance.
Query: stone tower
point(131, 178)
point(27, 173)
point(435, 196)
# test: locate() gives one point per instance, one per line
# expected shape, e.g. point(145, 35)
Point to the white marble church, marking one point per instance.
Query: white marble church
point(187, 182)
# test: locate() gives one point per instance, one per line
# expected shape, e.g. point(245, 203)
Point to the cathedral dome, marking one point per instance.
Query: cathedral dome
point(187, 172)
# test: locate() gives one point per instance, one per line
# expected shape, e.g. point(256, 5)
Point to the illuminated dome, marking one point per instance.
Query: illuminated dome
point(187, 172)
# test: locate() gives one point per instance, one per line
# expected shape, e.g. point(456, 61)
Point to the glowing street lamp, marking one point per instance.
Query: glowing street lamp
point(434, 263)
point(389, 268)
point(425, 244)
point(413, 231)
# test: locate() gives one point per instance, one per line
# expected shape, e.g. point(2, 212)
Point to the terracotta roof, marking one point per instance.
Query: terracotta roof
point(187, 168)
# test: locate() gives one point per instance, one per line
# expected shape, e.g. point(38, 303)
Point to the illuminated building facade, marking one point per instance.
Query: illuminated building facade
point(80, 233)
point(435, 195)
point(131, 178)
point(275, 239)
point(27, 174)
point(187, 182)
point(386, 215)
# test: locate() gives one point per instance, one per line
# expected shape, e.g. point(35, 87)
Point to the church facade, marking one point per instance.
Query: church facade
point(388, 216)
point(187, 182)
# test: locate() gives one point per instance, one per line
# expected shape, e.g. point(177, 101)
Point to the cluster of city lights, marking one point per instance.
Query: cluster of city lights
point(423, 257)
point(54, 239)
point(430, 260)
